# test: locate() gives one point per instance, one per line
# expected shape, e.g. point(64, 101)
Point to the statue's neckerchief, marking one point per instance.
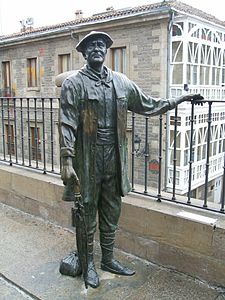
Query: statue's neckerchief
point(105, 77)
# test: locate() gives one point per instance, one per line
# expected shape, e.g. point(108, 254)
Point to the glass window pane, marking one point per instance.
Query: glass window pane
point(6, 74)
point(177, 51)
point(32, 72)
point(64, 63)
point(177, 29)
point(177, 77)
point(119, 59)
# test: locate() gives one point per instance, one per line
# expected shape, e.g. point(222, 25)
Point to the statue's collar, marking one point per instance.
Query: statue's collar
point(104, 77)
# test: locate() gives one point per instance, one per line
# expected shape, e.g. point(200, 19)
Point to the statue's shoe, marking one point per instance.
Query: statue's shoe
point(116, 267)
point(92, 276)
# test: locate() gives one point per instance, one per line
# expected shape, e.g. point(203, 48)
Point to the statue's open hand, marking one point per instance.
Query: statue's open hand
point(196, 98)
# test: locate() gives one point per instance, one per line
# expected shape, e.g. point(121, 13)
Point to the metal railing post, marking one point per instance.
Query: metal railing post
point(222, 200)
point(191, 153)
point(51, 134)
point(132, 152)
point(28, 131)
point(146, 155)
point(22, 129)
point(43, 133)
point(15, 129)
point(3, 129)
point(35, 132)
point(9, 134)
point(207, 154)
point(175, 155)
point(160, 159)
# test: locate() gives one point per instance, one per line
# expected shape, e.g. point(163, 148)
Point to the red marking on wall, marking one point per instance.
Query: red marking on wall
point(41, 51)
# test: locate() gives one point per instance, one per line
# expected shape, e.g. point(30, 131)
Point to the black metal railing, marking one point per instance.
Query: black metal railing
point(29, 133)
point(145, 186)
point(29, 138)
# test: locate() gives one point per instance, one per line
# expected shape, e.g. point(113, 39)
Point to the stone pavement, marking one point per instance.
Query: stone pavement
point(30, 252)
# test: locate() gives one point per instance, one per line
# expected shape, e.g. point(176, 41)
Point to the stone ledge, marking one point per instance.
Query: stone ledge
point(164, 236)
point(180, 237)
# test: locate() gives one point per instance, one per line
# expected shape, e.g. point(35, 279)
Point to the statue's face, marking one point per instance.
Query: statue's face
point(95, 51)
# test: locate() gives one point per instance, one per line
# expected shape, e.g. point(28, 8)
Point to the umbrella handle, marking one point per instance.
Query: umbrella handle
point(77, 185)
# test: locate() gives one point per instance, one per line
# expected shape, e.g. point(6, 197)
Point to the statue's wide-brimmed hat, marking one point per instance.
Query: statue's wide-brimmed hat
point(92, 35)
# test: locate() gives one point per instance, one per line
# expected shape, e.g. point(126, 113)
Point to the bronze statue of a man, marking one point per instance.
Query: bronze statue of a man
point(93, 119)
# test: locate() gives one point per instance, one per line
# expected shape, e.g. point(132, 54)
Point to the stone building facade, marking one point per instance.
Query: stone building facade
point(142, 38)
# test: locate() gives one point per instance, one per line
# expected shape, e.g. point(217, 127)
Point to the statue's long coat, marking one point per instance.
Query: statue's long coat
point(79, 121)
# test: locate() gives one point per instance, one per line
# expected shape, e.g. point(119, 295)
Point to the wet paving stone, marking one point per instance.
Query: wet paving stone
point(31, 250)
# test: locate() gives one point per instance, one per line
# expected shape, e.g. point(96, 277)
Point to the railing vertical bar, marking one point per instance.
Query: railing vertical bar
point(52, 141)
point(146, 154)
point(190, 154)
point(43, 134)
point(9, 133)
point(160, 158)
point(28, 131)
point(207, 154)
point(133, 152)
point(22, 129)
point(35, 132)
point(174, 155)
point(15, 126)
point(222, 200)
point(3, 129)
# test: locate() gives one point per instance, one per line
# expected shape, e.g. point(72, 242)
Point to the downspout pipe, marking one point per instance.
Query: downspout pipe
point(169, 29)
